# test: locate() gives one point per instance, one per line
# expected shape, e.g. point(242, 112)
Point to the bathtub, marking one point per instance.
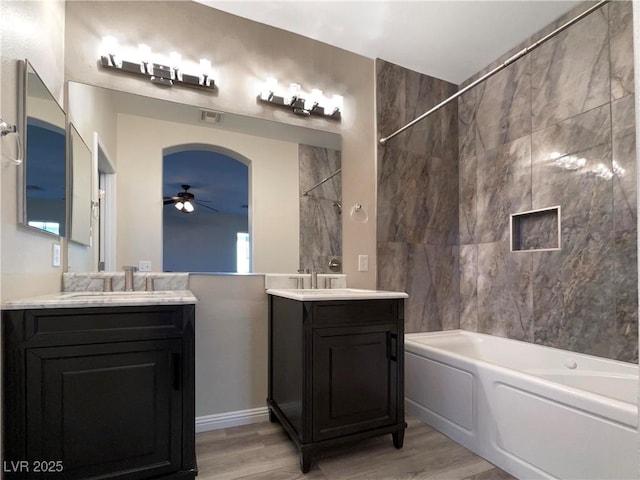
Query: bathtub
point(534, 411)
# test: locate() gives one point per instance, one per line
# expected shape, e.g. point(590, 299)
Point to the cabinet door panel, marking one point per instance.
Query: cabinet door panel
point(115, 407)
point(354, 380)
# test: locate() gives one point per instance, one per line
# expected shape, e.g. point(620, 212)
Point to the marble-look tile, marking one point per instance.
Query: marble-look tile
point(621, 48)
point(624, 342)
point(429, 274)
point(572, 167)
point(502, 108)
point(467, 110)
point(417, 198)
point(570, 72)
point(391, 93)
point(467, 200)
point(574, 293)
point(624, 166)
point(320, 211)
point(505, 294)
point(469, 287)
point(404, 95)
point(504, 187)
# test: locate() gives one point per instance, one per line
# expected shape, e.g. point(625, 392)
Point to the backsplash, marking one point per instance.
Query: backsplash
point(93, 282)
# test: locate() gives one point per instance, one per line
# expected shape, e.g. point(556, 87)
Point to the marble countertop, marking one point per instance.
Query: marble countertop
point(103, 299)
point(324, 294)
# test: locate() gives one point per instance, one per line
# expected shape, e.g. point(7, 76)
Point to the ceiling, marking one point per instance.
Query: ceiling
point(450, 40)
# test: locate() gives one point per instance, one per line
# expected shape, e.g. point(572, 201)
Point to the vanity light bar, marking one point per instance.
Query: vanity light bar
point(157, 73)
point(315, 103)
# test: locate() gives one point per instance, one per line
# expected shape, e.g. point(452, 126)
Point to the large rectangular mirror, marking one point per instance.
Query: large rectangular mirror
point(42, 175)
point(162, 152)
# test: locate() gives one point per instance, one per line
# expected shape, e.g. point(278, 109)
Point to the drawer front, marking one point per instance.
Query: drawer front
point(99, 325)
point(356, 312)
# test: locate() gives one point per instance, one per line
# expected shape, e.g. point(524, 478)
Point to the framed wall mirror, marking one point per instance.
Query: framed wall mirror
point(80, 161)
point(42, 176)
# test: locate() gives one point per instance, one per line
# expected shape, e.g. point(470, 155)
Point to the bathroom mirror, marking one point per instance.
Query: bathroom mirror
point(42, 175)
point(81, 176)
point(140, 130)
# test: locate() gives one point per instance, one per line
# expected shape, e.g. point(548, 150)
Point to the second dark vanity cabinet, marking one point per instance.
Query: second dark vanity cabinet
point(99, 392)
point(336, 371)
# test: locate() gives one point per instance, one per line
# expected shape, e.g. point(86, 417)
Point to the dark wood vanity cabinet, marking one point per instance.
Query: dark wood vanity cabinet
point(102, 392)
point(336, 371)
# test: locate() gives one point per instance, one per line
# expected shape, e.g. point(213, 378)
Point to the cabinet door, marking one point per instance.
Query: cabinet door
point(115, 407)
point(355, 375)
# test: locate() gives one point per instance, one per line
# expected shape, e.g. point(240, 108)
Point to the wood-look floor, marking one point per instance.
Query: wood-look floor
point(263, 451)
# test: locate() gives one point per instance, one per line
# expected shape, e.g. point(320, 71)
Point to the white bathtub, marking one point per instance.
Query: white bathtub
point(534, 411)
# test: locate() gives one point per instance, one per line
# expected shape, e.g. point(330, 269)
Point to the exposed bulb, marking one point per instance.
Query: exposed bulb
point(268, 88)
point(109, 48)
point(144, 51)
point(175, 61)
point(205, 71)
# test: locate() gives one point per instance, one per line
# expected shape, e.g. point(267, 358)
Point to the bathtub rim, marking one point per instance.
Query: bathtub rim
point(601, 403)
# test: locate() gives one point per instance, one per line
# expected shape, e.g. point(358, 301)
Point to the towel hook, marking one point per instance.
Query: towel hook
point(7, 129)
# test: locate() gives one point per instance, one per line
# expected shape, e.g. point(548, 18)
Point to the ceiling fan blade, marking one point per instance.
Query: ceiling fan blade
point(207, 206)
point(168, 201)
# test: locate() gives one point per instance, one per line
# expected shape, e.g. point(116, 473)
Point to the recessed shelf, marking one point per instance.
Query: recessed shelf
point(535, 230)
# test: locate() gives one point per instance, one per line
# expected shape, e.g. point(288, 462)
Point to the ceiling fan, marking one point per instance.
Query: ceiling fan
point(185, 201)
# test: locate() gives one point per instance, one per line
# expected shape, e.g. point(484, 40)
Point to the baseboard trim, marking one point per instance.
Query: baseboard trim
point(231, 419)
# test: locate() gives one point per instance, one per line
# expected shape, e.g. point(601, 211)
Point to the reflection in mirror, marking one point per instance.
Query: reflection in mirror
point(212, 209)
point(146, 129)
point(81, 174)
point(42, 175)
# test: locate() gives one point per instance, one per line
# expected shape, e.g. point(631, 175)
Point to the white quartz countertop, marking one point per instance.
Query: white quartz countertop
point(103, 299)
point(321, 294)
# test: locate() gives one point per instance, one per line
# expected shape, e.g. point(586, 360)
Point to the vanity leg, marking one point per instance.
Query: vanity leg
point(305, 461)
point(272, 417)
point(398, 438)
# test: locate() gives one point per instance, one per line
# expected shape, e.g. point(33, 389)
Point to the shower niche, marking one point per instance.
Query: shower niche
point(535, 230)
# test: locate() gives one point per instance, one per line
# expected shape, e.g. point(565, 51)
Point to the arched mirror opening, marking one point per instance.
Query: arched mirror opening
point(42, 175)
point(205, 212)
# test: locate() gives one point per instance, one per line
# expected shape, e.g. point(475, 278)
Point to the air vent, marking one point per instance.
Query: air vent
point(211, 116)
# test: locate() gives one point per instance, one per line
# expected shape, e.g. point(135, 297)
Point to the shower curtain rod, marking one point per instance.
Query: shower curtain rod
point(509, 61)
point(322, 181)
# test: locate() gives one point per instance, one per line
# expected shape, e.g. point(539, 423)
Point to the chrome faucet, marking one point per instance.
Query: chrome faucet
point(128, 277)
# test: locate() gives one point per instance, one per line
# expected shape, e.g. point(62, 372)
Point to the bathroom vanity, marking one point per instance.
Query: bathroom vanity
point(336, 366)
point(100, 386)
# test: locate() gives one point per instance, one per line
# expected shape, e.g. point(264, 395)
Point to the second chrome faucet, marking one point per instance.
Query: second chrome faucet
point(129, 270)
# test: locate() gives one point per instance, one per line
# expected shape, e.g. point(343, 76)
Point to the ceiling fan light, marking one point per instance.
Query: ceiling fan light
point(188, 207)
point(179, 205)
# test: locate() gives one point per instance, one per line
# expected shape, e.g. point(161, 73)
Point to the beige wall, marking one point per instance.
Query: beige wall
point(231, 343)
point(273, 190)
point(35, 31)
point(243, 53)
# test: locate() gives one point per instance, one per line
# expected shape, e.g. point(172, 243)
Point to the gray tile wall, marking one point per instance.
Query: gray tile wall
point(418, 198)
point(555, 128)
point(320, 218)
